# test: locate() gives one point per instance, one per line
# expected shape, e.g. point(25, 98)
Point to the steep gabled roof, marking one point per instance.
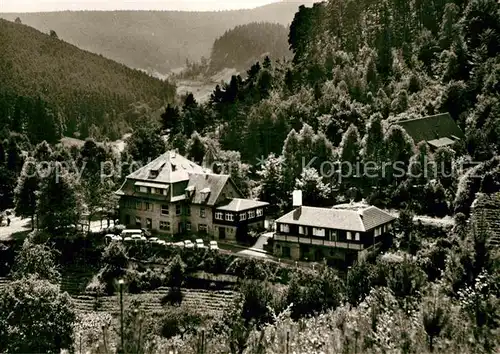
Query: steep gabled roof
point(207, 181)
point(361, 220)
point(167, 168)
point(432, 128)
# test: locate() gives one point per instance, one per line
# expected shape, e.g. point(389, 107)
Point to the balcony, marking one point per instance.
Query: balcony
point(318, 242)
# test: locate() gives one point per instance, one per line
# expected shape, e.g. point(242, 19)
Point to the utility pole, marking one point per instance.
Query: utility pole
point(120, 283)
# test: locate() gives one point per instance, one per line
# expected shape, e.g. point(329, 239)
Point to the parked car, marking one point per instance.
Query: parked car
point(127, 239)
point(188, 244)
point(213, 245)
point(199, 243)
point(161, 242)
point(138, 237)
point(117, 238)
point(130, 232)
point(154, 239)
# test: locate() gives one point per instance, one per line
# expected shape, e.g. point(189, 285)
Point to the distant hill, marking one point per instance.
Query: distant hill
point(243, 45)
point(152, 40)
point(50, 88)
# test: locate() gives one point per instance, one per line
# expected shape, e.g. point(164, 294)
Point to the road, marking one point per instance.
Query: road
point(18, 225)
point(257, 250)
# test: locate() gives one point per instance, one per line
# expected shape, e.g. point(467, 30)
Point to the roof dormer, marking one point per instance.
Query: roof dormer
point(205, 192)
point(190, 191)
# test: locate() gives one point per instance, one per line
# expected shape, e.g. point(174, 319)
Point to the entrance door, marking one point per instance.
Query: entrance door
point(181, 228)
point(222, 233)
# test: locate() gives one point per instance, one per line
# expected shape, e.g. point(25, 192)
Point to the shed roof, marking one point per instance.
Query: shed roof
point(432, 128)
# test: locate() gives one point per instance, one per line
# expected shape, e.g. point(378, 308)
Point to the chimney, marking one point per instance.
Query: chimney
point(297, 204)
point(297, 198)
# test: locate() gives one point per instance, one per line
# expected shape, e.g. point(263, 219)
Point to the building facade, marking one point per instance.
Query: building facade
point(338, 234)
point(173, 195)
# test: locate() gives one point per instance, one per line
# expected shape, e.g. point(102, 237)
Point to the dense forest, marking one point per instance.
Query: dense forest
point(244, 45)
point(357, 68)
point(152, 40)
point(49, 88)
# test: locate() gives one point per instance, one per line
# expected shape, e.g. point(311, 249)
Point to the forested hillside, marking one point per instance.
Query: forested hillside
point(152, 40)
point(50, 88)
point(244, 45)
point(359, 66)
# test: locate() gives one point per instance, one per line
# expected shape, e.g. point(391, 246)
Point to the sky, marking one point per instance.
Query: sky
point(184, 5)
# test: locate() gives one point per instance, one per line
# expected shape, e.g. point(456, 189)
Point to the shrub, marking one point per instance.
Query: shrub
point(174, 297)
point(180, 321)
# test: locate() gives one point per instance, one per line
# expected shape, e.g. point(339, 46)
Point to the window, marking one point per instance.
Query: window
point(229, 217)
point(138, 205)
point(138, 221)
point(378, 231)
point(333, 235)
point(164, 225)
point(127, 219)
point(149, 207)
point(164, 209)
point(177, 209)
point(243, 216)
point(356, 236)
point(143, 189)
point(188, 226)
point(219, 216)
point(302, 230)
point(319, 232)
point(149, 224)
point(251, 214)
point(260, 212)
point(284, 228)
point(389, 227)
point(202, 228)
point(188, 210)
point(349, 235)
point(153, 191)
point(202, 212)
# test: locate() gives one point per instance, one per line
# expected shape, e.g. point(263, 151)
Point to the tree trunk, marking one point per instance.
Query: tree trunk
point(32, 222)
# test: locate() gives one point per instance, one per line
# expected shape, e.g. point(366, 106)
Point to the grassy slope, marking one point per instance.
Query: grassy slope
point(157, 40)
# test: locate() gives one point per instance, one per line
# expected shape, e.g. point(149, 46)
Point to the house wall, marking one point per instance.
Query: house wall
point(128, 207)
point(230, 232)
point(155, 214)
point(311, 250)
point(196, 218)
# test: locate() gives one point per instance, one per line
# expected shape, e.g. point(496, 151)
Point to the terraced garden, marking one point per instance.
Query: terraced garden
point(205, 301)
point(213, 302)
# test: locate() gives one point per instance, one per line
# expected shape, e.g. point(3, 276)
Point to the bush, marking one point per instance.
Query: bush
point(180, 321)
point(174, 297)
